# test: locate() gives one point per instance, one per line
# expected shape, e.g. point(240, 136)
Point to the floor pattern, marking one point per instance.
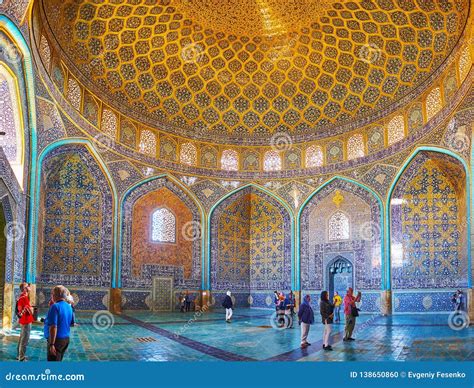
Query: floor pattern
point(194, 336)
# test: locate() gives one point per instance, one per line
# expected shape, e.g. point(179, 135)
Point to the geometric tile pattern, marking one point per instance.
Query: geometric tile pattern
point(429, 225)
point(362, 247)
point(77, 221)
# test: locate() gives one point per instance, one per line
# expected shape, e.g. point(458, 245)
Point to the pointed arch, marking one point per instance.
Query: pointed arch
point(387, 211)
point(14, 33)
point(32, 262)
point(366, 189)
point(174, 183)
point(273, 196)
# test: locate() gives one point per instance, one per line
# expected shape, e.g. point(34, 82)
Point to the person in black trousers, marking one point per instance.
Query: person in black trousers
point(326, 309)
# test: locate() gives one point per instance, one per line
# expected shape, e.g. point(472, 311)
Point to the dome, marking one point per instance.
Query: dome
point(238, 72)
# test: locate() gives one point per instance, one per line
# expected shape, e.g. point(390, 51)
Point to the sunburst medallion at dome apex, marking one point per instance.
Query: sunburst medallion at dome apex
point(230, 69)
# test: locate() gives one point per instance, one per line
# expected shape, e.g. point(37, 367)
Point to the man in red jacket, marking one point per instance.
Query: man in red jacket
point(25, 312)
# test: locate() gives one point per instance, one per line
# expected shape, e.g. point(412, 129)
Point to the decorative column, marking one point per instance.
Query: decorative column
point(386, 302)
point(115, 302)
point(8, 306)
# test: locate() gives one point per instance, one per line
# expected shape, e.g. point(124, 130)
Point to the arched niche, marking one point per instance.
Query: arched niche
point(75, 226)
point(142, 259)
point(339, 205)
point(250, 234)
point(429, 224)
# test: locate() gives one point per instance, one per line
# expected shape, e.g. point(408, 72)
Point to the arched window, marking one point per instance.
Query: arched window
point(109, 123)
point(433, 103)
point(338, 226)
point(396, 129)
point(148, 142)
point(10, 123)
point(188, 154)
point(230, 160)
point(314, 156)
point(355, 147)
point(272, 161)
point(163, 226)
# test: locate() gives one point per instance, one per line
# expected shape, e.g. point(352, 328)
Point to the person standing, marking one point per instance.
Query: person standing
point(350, 312)
point(460, 301)
point(187, 302)
point(228, 304)
point(326, 310)
point(291, 302)
point(305, 319)
point(337, 301)
point(59, 320)
point(25, 314)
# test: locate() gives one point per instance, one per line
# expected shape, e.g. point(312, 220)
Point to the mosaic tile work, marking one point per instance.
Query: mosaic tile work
point(428, 225)
point(188, 277)
point(250, 243)
point(250, 337)
point(362, 248)
point(76, 220)
point(50, 126)
point(84, 299)
point(426, 301)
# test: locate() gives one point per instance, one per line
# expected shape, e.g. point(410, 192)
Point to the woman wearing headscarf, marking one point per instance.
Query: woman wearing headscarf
point(228, 306)
point(305, 319)
point(326, 310)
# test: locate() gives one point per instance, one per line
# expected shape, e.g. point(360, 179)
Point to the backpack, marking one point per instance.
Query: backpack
point(18, 315)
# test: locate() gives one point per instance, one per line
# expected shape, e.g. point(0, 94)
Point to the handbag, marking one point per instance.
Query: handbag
point(354, 311)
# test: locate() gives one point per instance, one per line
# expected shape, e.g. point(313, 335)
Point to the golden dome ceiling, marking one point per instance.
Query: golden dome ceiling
point(249, 68)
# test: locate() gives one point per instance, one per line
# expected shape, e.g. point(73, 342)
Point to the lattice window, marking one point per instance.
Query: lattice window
point(355, 147)
point(188, 154)
point(230, 160)
point(11, 142)
point(433, 103)
point(109, 123)
point(74, 93)
point(45, 52)
point(396, 130)
point(465, 63)
point(314, 156)
point(148, 142)
point(338, 226)
point(163, 226)
point(272, 161)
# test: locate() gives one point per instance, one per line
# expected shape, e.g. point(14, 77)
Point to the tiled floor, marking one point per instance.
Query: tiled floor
point(145, 336)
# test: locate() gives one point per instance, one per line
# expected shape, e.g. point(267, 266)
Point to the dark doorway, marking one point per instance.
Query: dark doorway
point(340, 276)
